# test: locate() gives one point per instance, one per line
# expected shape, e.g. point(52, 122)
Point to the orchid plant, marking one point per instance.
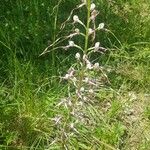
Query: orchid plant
point(84, 78)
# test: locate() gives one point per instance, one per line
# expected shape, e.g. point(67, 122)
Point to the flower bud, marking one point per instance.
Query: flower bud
point(66, 77)
point(71, 43)
point(89, 66)
point(86, 79)
point(96, 47)
point(92, 7)
point(77, 56)
point(90, 31)
point(75, 18)
point(101, 26)
point(82, 89)
point(91, 91)
point(77, 30)
point(96, 66)
point(84, 98)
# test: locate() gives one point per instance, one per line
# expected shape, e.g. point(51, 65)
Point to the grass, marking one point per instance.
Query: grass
point(30, 87)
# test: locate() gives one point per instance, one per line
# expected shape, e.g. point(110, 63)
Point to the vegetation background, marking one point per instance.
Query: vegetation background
point(30, 85)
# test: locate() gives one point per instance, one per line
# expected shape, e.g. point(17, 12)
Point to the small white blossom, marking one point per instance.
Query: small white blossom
point(96, 47)
point(91, 91)
point(86, 79)
point(77, 30)
point(74, 79)
point(71, 43)
point(96, 66)
point(77, 56)
point(90, 31)
point(76, 18)
point(80, 103)
point(89, 66)
point(78, 94)
point(67, 76)
point(82, 89)
point(94, 14)
point(132, 96)
point(84, 57)
point(83, 1)
point(72, 125)
point(92, 7)
point(69, 103)
point(101, 26)
point(84, 98)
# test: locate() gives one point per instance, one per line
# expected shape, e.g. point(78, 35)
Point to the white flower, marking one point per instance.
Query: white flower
point(84, 98)
point(86, 79)
point(84, 57)
point(132, 96)
point(96, 47)
point(94, 13)
point(71, 43)
point(96, 66)
point(89, 66)
point(74, 79)
point(72, 125)
point(80, 103)
point(77, 30)
point(101, 26)
point(83, 1)
point(91, 91)
point(67, 76)
point(82, 89)
point(90, 31)
point(92, 7)
point(78, 94)
point(76, 18)
point(77, 56)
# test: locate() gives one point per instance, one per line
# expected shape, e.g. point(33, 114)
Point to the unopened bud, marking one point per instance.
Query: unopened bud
point(82, 89)
point(77, 56)
point(90, 31)
point(96, 47)
point(92, 7)
point(101, 26)
point(77, 30)
point(71, 43)
point(96, 66)
point(91, 91)
point(75, 18)
point(89, 66)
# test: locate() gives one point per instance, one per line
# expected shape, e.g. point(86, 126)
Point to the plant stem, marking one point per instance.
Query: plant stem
point(87, 26)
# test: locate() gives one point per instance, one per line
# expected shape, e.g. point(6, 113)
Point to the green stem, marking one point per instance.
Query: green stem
point(87, 26)
point(54, 37)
